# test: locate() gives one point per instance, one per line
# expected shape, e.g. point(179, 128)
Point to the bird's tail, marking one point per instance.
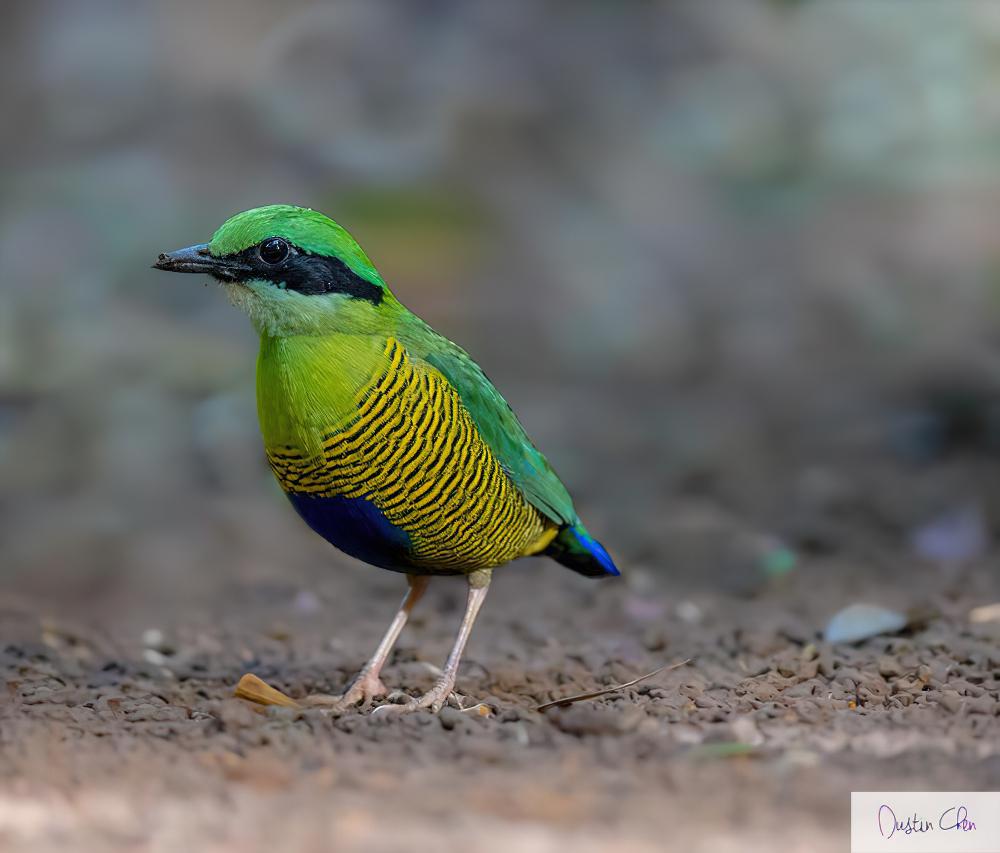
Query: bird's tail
point(576, 549)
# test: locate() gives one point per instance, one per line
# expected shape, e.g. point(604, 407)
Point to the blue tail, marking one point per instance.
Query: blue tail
point(576, 549)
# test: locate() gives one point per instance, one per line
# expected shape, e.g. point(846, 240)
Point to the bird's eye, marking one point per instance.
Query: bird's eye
point(273, 250)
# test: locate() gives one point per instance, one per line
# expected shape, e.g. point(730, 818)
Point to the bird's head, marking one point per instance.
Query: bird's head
point(293, 270)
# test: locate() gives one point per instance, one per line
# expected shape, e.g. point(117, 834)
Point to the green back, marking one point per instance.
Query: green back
point(497, 424)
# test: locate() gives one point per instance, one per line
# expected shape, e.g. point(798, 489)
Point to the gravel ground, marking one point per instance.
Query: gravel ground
point(119, 730)
point(735, 266)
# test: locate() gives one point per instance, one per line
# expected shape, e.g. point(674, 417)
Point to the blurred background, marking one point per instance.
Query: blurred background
point(734, 264)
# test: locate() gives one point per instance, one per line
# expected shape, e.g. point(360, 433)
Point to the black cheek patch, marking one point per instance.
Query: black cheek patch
point(314, 275)
point(311, 275)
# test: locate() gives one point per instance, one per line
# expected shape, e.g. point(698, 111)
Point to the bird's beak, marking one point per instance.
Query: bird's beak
point(191, 259)
point(198, 259)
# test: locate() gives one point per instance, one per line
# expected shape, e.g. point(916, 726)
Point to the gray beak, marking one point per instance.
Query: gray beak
point(198, 259)
point(191, 259)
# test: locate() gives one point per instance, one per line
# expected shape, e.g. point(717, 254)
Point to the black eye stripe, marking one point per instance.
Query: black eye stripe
point(301, 271)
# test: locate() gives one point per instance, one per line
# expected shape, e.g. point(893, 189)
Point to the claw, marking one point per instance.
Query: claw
point(326, 702)
point(390, 710)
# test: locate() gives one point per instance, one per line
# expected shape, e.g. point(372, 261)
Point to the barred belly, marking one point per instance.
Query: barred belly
point(414, 453)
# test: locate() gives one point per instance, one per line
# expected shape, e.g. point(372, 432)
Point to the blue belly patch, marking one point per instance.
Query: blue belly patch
point(357, 527)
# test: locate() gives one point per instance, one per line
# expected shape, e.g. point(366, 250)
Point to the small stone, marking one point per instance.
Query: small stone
point(889, 667)
point(950, 701)
point(849, 676)
point(688, 611)
point(745, 731)
point(907, 685)
point(861, 621)
point(154, 657)
point(654, 639)
point(809, 669)
point(449, 718)
point(592, 719)
point(982, 705)
point(761, 690)
point(986, 613)
point(800, 690)
point(807, 710)
point(826, 666)
point(786, 668)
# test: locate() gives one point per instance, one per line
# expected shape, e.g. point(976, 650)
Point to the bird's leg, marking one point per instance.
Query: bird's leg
point(434, 699)
point(368, 684)
point(365, 686)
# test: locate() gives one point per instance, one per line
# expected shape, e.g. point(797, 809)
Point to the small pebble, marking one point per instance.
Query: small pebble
point(860, 621)
point(950, 700)
point(449, 718)
point(786, 668)
point(982, 705)
point(888, 667)
point(808, 669)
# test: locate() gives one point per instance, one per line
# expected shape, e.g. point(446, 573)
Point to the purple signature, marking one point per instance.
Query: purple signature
point(953, 818)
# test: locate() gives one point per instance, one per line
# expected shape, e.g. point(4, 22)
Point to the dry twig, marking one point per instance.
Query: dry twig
point(594, 694)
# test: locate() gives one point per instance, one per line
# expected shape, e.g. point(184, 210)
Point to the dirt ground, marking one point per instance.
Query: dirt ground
point(118, 730)
point(735, 266)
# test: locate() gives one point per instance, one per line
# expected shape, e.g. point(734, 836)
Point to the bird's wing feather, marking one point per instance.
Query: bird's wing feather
point(499, 427)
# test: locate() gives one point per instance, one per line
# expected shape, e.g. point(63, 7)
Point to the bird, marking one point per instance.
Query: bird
point(387, 438)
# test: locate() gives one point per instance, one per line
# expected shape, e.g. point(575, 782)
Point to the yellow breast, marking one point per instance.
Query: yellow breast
point(414, 451)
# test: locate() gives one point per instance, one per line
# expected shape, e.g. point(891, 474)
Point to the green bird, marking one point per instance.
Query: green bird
point(387, 438)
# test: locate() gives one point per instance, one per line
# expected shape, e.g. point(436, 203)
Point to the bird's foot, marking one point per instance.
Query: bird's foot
point(363, 691)
point(365, 688)
point(433, 700)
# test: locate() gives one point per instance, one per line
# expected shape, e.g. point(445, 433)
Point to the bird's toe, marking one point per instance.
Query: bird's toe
point(394, 709)
point(433, 701)
point(325, 701)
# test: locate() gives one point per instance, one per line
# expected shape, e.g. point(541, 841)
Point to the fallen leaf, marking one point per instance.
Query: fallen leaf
point(253, 689)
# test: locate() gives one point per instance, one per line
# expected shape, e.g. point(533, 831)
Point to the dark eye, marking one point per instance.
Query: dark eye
point(273, 250)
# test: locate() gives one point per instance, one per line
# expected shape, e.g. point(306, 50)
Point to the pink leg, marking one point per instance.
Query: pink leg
point(368, 684)
point(434, 699)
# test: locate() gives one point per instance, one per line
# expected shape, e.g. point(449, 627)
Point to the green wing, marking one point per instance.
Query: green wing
point(498, 426)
